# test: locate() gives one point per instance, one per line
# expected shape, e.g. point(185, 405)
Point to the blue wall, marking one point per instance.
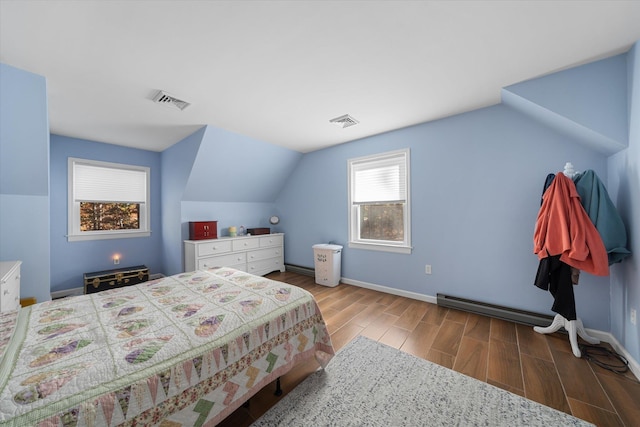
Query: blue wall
point(24, 178)
point(235, 168)
point(69, 260)
point(177, 162)
point(476, 183)
point(476, 180)
point(216, 175)
point(624, 188)
point(592, 96)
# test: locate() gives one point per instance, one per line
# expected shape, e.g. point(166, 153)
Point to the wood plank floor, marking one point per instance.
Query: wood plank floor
point(504, 354)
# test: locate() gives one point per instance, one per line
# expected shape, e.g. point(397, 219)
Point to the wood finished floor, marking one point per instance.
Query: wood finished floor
point(504, 354)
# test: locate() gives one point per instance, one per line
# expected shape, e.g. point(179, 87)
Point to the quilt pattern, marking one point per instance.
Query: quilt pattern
point(185, 350)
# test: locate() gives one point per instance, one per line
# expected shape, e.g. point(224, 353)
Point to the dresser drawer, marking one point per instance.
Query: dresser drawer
point(230, 260)
point(214, 247)
point(240, 252)
point(264, 254)
point(271, 241)
point(246, 243)
point(265, 266)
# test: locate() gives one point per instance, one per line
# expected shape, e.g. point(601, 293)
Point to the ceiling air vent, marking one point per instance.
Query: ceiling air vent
point(164, 98)
point(344, 121)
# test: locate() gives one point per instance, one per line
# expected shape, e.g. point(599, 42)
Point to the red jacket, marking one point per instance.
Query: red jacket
point(564, 228)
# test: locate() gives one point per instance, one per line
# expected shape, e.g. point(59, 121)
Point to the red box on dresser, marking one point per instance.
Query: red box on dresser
point(201, 230)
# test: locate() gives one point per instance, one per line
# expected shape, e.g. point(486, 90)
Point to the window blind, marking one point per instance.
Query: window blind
point(105, 184)
point(380, 180)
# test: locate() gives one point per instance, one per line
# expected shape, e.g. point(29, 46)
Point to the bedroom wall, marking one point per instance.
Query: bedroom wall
point(476, 183)
point(624, 188)
point(177, 162)
point(588, 101)
point(222, 176)
point(597, 103)
point(24, 178)
point(70, 260)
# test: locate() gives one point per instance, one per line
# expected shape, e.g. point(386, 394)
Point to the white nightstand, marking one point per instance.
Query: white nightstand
point(9, 285)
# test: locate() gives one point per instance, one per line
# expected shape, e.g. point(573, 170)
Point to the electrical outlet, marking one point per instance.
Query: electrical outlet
point(427, 269)
point(633, 316)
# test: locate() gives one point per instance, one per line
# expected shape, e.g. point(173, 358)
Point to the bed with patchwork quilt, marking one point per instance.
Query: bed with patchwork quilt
point(184, 350)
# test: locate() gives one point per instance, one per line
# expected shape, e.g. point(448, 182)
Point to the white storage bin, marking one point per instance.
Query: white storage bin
point(327, 263)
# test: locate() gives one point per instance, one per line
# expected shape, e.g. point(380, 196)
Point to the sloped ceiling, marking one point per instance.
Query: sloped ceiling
point(588, 102)
point(235, 168)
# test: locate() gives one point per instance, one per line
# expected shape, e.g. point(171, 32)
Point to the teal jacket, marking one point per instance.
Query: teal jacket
point(602, 212)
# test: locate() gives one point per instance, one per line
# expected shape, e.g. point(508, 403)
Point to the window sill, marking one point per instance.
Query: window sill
point(107, 235)
point(381, 247)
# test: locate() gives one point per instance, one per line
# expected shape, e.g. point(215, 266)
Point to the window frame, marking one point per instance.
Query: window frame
point(355, 242)
point(74, 234)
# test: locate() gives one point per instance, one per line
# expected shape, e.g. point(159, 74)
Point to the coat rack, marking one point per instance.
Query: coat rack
point(569, 171)
point(575, 328)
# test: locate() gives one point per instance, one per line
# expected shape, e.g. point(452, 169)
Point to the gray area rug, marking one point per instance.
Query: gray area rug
point(371, 384)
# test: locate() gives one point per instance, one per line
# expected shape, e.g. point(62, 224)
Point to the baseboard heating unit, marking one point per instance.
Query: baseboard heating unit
point(497, 311)
point(305, 271)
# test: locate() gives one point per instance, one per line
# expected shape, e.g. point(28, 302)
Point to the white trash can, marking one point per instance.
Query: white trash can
point(327, 263)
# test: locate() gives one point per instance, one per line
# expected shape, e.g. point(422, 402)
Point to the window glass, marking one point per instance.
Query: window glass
point(107, 200)
point(379, 213)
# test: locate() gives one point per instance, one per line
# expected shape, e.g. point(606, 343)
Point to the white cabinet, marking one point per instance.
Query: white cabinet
point(9, 285)
point(257, 255)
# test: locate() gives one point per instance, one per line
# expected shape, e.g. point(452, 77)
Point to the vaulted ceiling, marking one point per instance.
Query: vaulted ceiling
point(278, 71)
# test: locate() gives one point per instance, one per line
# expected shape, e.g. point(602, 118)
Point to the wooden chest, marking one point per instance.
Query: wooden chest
point(259, 231)
point(200, 230)
point(98, 281)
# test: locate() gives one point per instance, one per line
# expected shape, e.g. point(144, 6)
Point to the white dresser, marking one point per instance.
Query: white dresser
point(257, 255)
point(9, 285)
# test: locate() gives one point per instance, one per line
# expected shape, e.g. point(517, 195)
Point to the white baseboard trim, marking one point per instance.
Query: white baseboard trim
point(392, 291)
point(609, 338)
point(602, 336)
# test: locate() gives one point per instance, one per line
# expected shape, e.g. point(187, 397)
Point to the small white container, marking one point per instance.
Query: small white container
point(327, 263)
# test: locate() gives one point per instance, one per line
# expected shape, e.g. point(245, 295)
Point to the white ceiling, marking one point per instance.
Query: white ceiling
point(278, 71)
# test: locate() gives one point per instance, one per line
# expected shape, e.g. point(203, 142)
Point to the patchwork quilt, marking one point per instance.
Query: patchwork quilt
point(185, 350)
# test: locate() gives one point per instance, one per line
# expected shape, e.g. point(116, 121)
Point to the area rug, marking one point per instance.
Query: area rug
point(371, 384)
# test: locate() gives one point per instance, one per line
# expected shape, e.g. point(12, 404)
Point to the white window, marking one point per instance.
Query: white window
point(379, 209)
point(107, 200)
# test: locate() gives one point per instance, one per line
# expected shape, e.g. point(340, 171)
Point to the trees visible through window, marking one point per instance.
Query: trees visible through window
point(382, 222)
point(107, 200)
point(109, 216)
point(379, 210)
